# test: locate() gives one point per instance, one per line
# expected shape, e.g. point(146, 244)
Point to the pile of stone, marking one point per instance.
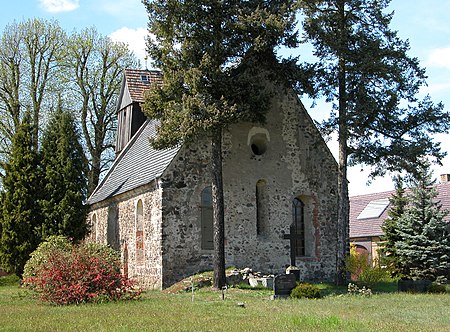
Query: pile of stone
point(247, 276)
point(233, 277)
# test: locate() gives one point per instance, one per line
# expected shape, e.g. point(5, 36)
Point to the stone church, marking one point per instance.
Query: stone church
point(280, 191)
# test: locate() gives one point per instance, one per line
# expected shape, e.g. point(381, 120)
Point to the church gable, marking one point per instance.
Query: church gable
point(280, 182)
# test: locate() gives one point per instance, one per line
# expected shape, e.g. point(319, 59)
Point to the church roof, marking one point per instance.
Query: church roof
point(367, 212)
point(139, 80)
point(137, 164)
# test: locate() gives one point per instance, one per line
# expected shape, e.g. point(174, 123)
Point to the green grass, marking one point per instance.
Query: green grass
point(158, 311)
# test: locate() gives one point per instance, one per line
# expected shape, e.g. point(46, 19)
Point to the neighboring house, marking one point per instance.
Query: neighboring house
point(280, 188)
point(367, 213)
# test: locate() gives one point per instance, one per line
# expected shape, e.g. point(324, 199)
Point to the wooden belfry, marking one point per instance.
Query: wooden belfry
point(297, 230)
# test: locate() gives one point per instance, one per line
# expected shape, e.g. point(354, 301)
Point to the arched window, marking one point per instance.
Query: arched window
point(125, 261)
point(111, 228)
point(206, 217)
point(94, 227)
point(298, 226)
point(139, 233)
point(261, 207)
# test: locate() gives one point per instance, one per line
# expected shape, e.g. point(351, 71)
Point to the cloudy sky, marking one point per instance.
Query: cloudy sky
point(425, 23)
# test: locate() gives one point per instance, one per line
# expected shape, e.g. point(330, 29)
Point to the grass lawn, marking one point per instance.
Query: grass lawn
point(158, 311)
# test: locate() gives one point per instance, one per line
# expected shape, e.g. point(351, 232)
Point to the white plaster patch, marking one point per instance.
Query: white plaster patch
point(257, 130)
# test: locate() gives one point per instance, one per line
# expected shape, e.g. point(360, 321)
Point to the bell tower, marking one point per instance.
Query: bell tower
point(129, 112)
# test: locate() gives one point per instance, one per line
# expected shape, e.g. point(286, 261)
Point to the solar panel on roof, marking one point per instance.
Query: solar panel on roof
point(374, 209)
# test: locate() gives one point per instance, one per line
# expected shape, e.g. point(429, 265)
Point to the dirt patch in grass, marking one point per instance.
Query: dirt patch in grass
point(199, 280)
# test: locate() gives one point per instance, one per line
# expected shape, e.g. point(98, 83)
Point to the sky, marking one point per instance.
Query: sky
point(425, 23)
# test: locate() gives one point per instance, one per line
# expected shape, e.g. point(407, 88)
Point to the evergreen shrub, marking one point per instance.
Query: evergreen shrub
point(436, 288)
point(62, 273)
point(306, 290)
point(423, 249)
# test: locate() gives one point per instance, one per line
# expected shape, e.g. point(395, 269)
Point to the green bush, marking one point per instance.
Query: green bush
point(361, 270)
point(62, 273)
point(436, 288)
point(9, 280)
point(373, 275)
point(55, 245)
point(356, 263)
point(306, 290)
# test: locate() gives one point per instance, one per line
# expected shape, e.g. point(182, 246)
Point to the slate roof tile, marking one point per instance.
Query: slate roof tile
point(137, 164)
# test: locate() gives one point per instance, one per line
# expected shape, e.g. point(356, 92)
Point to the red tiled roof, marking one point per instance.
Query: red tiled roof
point(137, 86)
point(372, 227)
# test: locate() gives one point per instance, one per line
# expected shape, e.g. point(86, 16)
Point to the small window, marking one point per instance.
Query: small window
point(94, 227)
point(258, 140)
point(206, 222)
point(259, 144)
point(111, 228)
point(145, 79)
point(374, 209)
point(125, 261)
point(298, 226)
point(139, 233)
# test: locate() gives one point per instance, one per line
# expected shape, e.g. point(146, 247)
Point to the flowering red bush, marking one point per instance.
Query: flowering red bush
point(62, 273)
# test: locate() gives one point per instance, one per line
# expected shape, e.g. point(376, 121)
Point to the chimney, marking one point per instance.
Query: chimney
point(445, 178)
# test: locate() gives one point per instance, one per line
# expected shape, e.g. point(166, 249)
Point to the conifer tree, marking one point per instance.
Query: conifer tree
point(64, 182)
point(20, 214)
point(398, 202)
point(423, 247)
point(363, 68)
point(213, 55)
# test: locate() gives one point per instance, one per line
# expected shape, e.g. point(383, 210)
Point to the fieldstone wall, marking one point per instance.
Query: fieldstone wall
point(115, 224)
point(290, 158)
point(182, 185)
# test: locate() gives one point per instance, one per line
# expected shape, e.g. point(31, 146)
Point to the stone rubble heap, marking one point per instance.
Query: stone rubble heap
point(235, 277)
point(247, 276)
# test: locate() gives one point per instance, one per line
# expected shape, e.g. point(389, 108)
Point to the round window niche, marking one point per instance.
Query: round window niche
point(258, 144)
point(258, 140)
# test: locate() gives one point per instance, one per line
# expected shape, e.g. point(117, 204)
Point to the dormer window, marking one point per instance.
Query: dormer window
point(374, 209)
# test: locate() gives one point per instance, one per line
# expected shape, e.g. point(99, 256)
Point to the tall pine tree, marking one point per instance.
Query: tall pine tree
point(213, 55)
point(20, 212)
point(423, 245)
point(64, 181)
point(364, 69)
